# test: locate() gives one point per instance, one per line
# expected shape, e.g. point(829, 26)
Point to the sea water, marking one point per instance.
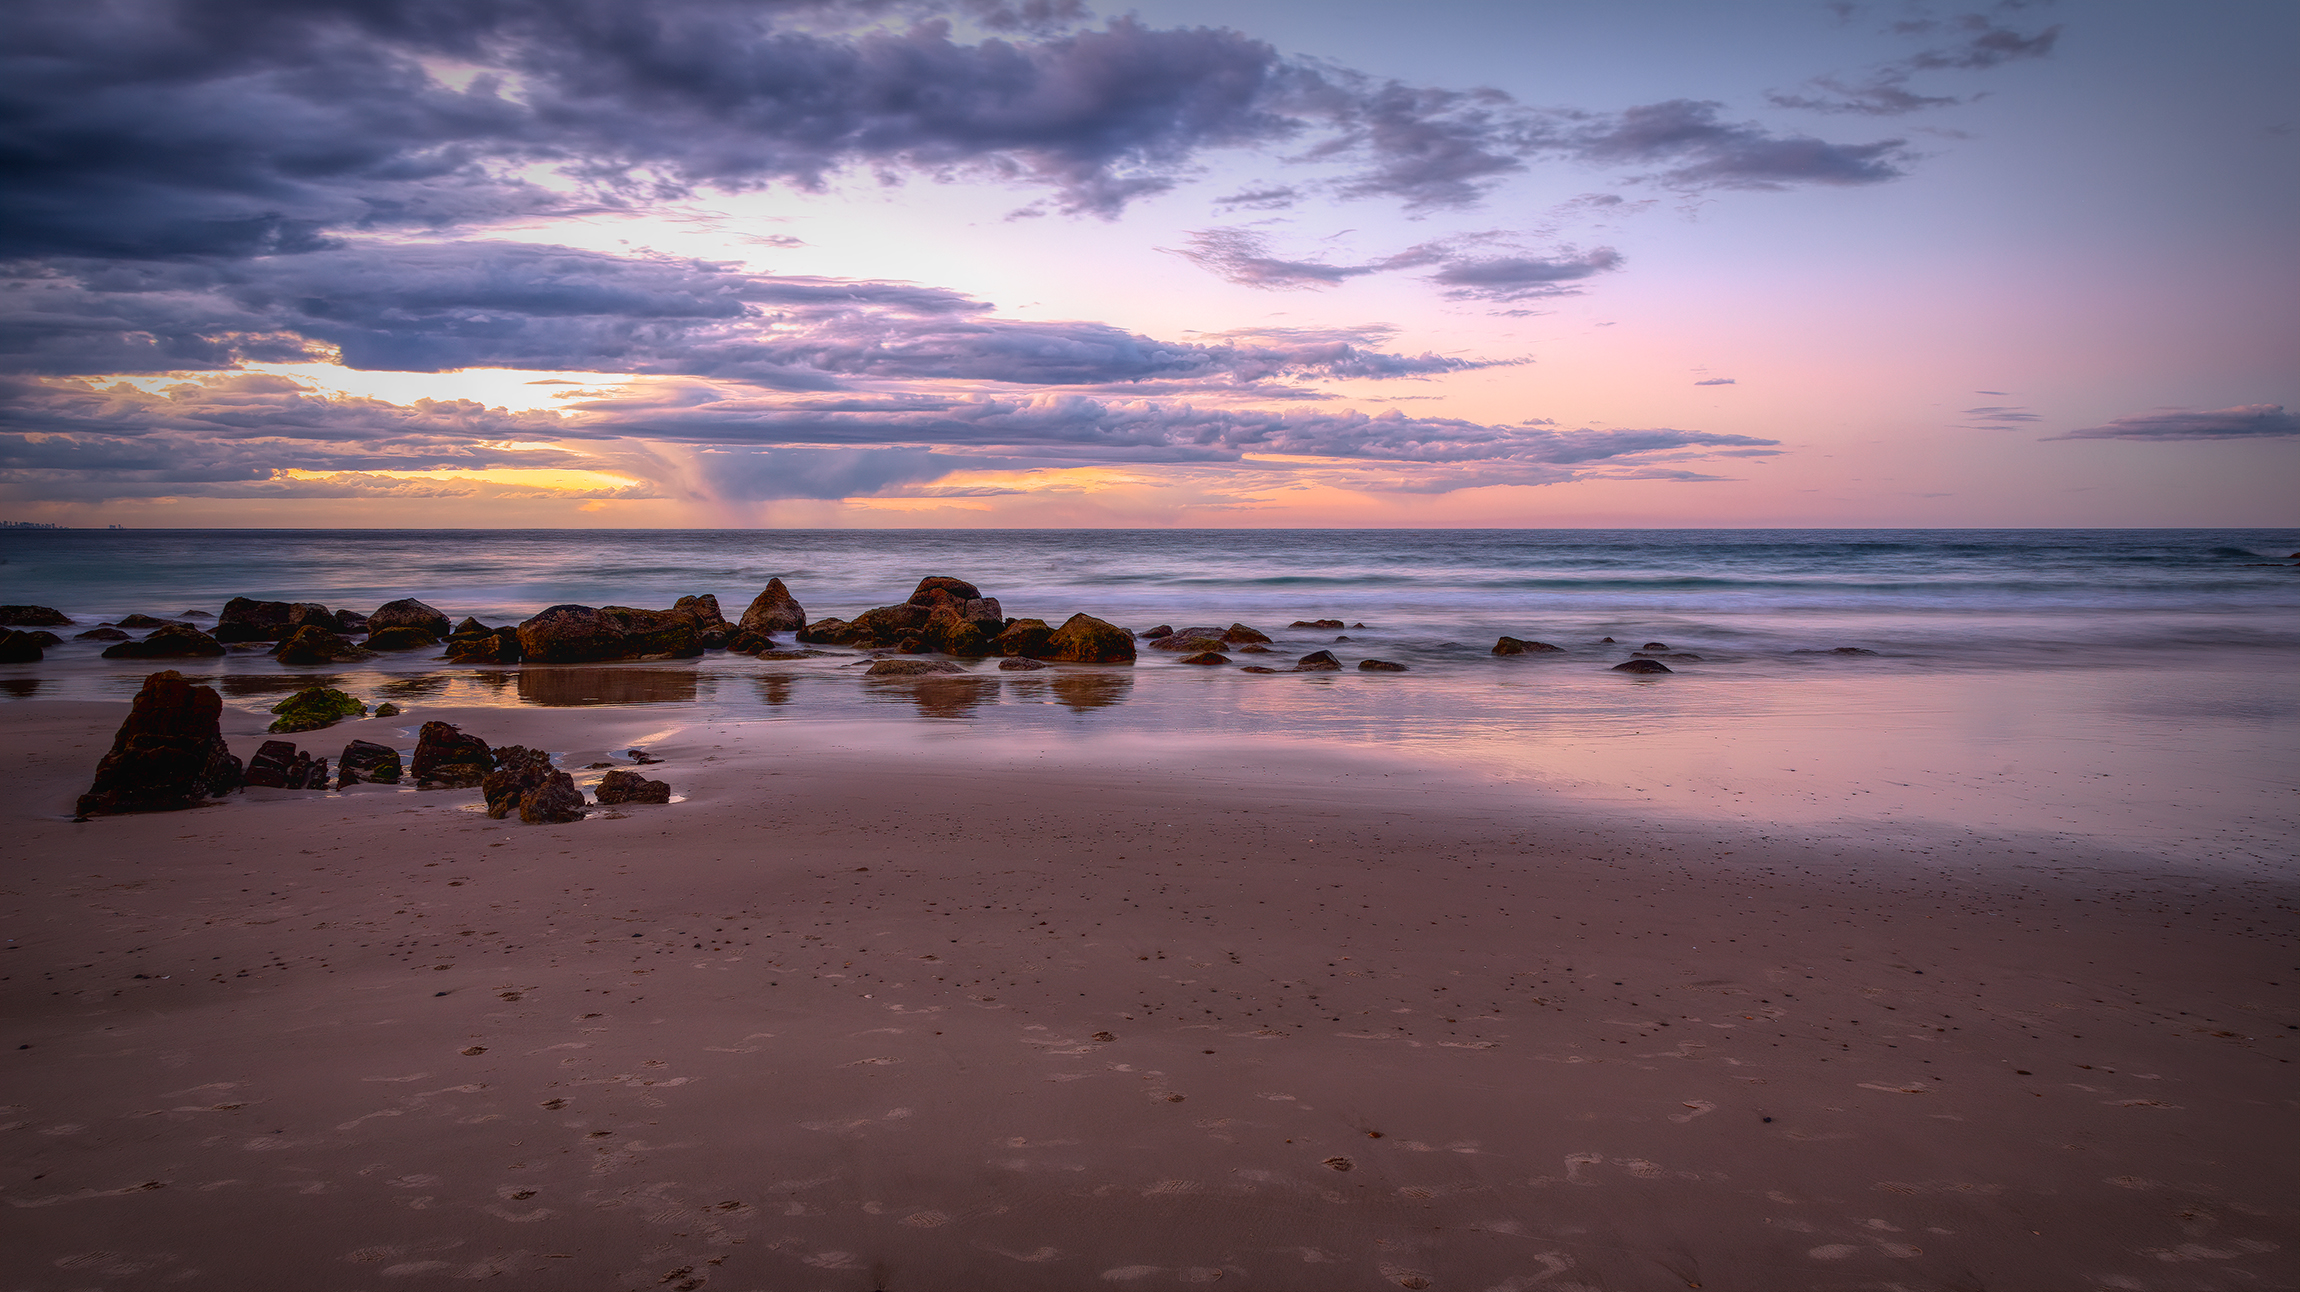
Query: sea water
point(2128, 685)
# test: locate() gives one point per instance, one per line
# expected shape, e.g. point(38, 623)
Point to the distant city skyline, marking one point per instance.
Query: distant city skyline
point(698, 263)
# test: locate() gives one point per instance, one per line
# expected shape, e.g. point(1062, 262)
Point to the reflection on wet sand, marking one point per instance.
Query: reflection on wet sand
point(241, 686)
point(565, 687)
point(20, 687)
point(415, 688)
point(775, 688)
point(495, 681)
point(936, 697)
point(1099, 690)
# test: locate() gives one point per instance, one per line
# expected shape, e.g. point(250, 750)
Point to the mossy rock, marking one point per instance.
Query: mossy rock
point(315, 707)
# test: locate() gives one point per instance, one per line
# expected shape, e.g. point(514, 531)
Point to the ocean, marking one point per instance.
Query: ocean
point(2129, 684)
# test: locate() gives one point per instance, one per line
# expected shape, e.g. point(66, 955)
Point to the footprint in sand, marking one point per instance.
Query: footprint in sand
point(1700, 1108)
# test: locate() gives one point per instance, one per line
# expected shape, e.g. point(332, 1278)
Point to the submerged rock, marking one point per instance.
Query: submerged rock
point(1318, 661)
point(1519, 646)
point(1642, 666)
point(1654, 646)
point(1259, 668)
point(1205, 657)
point(1018, 664)
point(314, 707)
point(1162, 630)
point(1379, 666)
point(910, 667)
point(33, 617)
point(17, 647)
point(621, 786)
point(169, 754)
point(176, 641)
point(104, 634)
point(774, 610)
point(1083, 639)
point(313, 644)
point(445, 758)
point(1189, 641)
point(399, 637)
point(142, 621)
point(407, 612)
point(366, 762)
point(1317, 623)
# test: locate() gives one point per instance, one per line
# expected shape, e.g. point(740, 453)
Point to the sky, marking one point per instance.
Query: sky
point(1271, 263)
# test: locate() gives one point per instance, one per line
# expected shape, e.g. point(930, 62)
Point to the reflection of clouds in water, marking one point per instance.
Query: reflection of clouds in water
point(569, 687)
point(1098, 690)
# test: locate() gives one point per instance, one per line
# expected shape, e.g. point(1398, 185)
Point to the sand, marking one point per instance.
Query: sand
point(855, 1015)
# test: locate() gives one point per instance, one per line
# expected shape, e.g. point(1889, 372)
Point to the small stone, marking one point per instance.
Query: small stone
point(1019, 665)
point(1379, 666)
point(387, 710)
point(1318, 661)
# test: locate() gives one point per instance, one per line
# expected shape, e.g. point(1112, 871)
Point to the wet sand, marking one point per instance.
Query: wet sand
point(855, 1016)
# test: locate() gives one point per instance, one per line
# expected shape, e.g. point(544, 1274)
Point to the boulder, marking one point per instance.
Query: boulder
point(445, 758)
point(948, 632)
point(314, 707)
point(407, 612)
point(313, 644)
point(1018, 664)
point(1190, 641)
point(169, 754)
point(176, 641)
point(1379, 666)
point(1317, 623)
point(750, 641)
point(1206, 657)
point(711, 628)
point(33, 617)
point(487, 646)
point(279, 765)
point(1026, 639)
point(399, 637)
point(553, 802)
point(1318, 661)
point(17, 647)
point(1254, 648)
point(958, 594)
point(366, 762)
point(1162, 630)
point(910, 667)
point(141, 621)
point(387, 710)
point(1518, 646)
point(347, 621)
point(773, 611)
point(519, 771)
point(468, 626)
point(104, 634)
point(45, 638)
point(620, 786)
point(571, 634)
point(1642, 666)
point(830, 632)
point(248, 620)
point(1083, 639)
point(1240, 634)
point(888, 625)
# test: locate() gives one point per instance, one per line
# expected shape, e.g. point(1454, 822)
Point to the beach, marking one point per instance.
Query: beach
point(929, 1011)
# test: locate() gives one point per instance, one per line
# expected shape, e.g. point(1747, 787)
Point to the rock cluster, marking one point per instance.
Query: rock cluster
point(280, 765)
point(174, 641)
point(572, 634)
point(33, 617)
point(169, 754)
point(445, 758)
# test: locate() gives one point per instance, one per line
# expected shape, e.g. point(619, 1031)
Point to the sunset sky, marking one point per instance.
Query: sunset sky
point(1275, 263)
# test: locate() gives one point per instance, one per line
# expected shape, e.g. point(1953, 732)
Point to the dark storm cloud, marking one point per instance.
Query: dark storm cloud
point(2243, 422)
point(1974, 42)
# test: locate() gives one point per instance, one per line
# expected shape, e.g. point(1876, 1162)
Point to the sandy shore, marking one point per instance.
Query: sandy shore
point(856, 1018)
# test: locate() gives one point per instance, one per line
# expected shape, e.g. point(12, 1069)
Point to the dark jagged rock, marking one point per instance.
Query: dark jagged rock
point(1083, 639)
point(774, 610)
point(890, 624)
point(571, 634)
point(176, 641)
point(519, 771)
point(630, 787)
point(313, 644)
point(33, 617)
point(1642, 666)
point(142, 621)
point(350, 621)
point(1018, 664)
point(1026, 639)
point(248, 620)
point(1379, 666)
point(105, 634)
point(18, 647)
point(399, 637)
point(711, 627)
point(279, 765)
point(948, 632)
point(487, 646)
point(1519, 646)
point(1162, 630)
point(640, 756)
point(1317, 623)
point(445, 758)
point(1240, 635)
point(314, 707)
point(407, 612)
point(830, 632)
point(1318, 661)
point(169, 754)
point(910, 667)
point(366, 762)
point(387, 710)
point(967, 600)
point(555, 801)
point(1205, 657)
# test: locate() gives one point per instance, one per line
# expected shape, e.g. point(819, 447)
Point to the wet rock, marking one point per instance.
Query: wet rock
point(1654, 646)
point(1018, 664)
point(314, 707)
point(17, 647)
point(1379, 666)
point(487, 646)
point(1642, 666)
point(142, 621)
point(1026, 639)
point(1162, 630)
point(169, 754)
point(519, 771)
point(962, 597)
point(774, 610)
point(1083, 639)
point(1519, 646)
point(106, 634)
point(313, 644)
point(910, 667)
point(1317, 623)
point(1254, 648)
point(468, 626)
point(1190, 641)
point(33, 617)
point(44, 637)
point(399, 637)
point(1318, 661)
point(1343, 638)
point(387, 710)
point(176, 641)
point(948, 631)
point(556, 801)
point(1205, 657)
point(796, 654)
point(1849, 650)
point(571, 634)
point(202, 614)
point(350, 621)
point(248, 620)
point(1259, 668)
point(279, 765)
point(1240, 634)
point(891, 624)
point(1357, 625)
point(830, 632)
point(630, 787)
point(711, 628)
point(407, 612)
point(366, 762)
point(640, 756)
point(445, 758)
point(749, 641)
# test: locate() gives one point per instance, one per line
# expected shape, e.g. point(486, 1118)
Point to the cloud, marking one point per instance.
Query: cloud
point(1976, 42)
point(1699, 150)
point(1516, 278)
point(2243, 422)
point(1996, 417)
point(1244, 257)
point(1716, 381)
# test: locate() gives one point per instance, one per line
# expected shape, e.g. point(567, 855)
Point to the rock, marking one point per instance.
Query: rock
point(640, 756)
point(1083, 639)
point(407, 612)
point(830, 632)
point(1026, 639)
point(711, 628)
point(247, 620)
point(1205, 657)
point(176, 641)
point(399, 637)
point(142, 621)
point(796, 654)
point(1162, 630)
point(487, 646)
point(889, 625)
point(366, 762)
point(1604, 641)
point(468, 626)
point(1357, 625)
point(1682, 656)
point(1849, 650)
point(33, 617)
point(350, 621)
point(279, 765)
point(1318, 661)
point(313, 644)
point(1019, 665)
point(314, 707)
point(948, 632)
point(101, 635)
point(1317, 623)
point(1518, 646)
point(1379, 666)
point(630, 787)
point(749, 641)
point(45, 638)
point(1190, 641)
point(169, 754)
point(445, 758)
point(961, 596)
point(20, 647)
point(554, 802)
point(910, 667)
point(1343, 638)
point(571, 634)
point(1254, 648)
point(1240, 634)
point(202, 614)
point(1258, 668)
point(1654, 646)
point(387, 710)
point(774, 610)
point(519, 771)
point(1642, 666)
